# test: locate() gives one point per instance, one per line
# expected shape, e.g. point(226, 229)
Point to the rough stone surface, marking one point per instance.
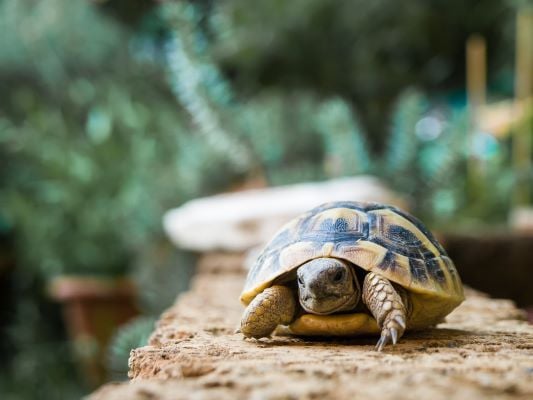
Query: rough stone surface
point(483, 351)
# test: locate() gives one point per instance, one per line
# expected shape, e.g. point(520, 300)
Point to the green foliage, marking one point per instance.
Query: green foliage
point(452, 175)
point(403, 144)
point(132, 335)
point(161, 271)
point(93, 146)
point(251, 134)
point(84, 196)
point(292, 135)
point(39, 42)
point(345, 143)
point(426, 156)
point(198, 85)
point(37, 362)
point(283, 136)
point(93, 150)
point(522, 4)
point(368, 52)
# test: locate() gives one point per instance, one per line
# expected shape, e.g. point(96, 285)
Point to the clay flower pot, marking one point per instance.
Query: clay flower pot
point(93, 308)
point(497, 262)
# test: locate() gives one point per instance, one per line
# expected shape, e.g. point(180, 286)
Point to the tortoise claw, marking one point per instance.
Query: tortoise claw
point(400, 320)
point(382, 342)
point(392, 331)
point(387, 336)
point(394, 335)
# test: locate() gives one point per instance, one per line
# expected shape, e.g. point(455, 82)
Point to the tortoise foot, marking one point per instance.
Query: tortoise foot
point(387, 306)
point(274, 306)
point(393, 329)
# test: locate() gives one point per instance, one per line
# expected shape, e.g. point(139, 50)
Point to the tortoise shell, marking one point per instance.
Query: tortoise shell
point(374, 237)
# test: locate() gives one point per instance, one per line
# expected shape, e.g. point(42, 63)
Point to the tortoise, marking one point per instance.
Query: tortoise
point(350, 268)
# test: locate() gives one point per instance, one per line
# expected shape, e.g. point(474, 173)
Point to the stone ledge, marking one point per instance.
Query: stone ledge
point(484, 350)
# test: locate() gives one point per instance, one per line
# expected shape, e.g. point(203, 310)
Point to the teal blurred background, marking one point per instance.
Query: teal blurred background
point(112, 112)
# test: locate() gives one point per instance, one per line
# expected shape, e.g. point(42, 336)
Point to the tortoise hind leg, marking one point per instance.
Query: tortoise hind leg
point(274, 306)
point(388, 306)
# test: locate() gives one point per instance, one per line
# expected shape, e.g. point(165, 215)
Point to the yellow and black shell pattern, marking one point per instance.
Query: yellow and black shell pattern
point(374, 237)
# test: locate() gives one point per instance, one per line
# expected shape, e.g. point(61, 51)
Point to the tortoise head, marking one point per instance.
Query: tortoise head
point(327, 285)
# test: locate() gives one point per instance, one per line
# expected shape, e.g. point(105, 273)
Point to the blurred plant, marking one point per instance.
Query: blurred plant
point(43, 46)
point(130, 336)
point(429, 158)
point(90, 164)
point(427, 147)
point(163, 271)
point(344, 140)
point(365, 52)
point(424, 152)
point(252, 133)
point(403, 144)
point(33, 337)
point(522, 4)
point(92, 151)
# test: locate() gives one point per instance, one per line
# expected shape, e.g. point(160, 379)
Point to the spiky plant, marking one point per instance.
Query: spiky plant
point(347, 152)
point(130, 336)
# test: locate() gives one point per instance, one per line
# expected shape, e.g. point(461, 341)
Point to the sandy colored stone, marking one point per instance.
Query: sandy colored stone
point(483, 351)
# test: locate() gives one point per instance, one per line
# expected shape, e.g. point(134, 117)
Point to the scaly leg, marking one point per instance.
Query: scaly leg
point(274, 306)
point(388, 306)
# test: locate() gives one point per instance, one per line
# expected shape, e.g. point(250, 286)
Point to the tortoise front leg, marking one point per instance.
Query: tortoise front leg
point(274, 306)
point(388, 307)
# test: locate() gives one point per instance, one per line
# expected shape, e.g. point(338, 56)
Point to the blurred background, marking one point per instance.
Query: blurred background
point(113, 112)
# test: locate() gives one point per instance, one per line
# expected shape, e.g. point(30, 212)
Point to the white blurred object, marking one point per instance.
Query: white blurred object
point(521, 219)
point(241, 220)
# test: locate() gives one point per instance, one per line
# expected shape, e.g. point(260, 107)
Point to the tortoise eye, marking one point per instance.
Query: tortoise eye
point(300, 280)
point(338, 276)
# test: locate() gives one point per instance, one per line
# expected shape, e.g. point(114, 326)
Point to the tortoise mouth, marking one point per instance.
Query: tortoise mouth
point(350, 300)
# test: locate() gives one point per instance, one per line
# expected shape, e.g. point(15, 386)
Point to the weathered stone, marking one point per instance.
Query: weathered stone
point(241, 220)
point(484, 350)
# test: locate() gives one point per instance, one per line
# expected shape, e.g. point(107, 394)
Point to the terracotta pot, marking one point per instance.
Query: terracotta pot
point(498, 263)
point(93, 308)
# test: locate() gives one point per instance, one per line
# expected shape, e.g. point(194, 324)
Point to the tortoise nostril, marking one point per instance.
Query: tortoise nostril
point(338, 276)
